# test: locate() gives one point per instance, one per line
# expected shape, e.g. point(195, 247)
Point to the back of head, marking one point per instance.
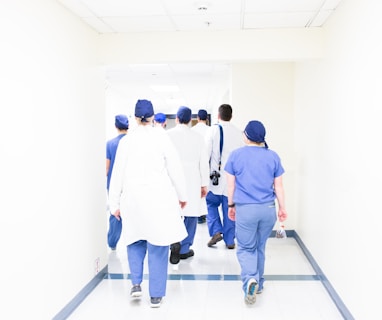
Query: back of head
point(144, 110)
point(202, 114)
point(184, 115)
point(225, 112)
point(121, 122)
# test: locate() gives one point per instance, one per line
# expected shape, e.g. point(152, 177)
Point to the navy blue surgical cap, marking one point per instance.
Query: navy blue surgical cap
point(255, 131)
point(202, 114)
point(121, 122)
point(184, 114)
point(144, 110)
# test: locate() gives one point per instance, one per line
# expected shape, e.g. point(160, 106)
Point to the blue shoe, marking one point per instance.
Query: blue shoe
point(250, 294)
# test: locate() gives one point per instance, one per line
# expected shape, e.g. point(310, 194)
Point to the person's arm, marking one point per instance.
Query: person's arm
point(279, 190)
point(107, 166)
point(231, 180)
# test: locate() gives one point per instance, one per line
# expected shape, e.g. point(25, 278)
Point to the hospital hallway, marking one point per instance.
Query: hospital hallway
point(208, 286)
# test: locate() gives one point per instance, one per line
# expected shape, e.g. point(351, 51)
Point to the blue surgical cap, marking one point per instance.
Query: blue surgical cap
point(144, 110)
point(160, 117)
point(202, 114)
point(184, 114)
point(121, 122)
point(255, 131)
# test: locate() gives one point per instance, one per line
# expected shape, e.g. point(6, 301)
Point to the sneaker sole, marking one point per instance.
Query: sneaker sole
point(137, 294)
point(250, 297)
point(175, 253)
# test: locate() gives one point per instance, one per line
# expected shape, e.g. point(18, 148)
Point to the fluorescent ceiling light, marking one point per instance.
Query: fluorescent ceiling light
point(160, 88)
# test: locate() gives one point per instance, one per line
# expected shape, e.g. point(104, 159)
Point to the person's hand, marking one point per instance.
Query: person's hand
point(282, 215)
point(203, 192)
point(182, 204)
point(232, 213)
point(117, 214)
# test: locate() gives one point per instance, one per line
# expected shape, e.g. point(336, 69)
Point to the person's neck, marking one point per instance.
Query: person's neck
point(256, 144)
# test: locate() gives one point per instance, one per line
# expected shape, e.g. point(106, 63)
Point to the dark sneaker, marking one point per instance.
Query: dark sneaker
point(215, 239)
point(175, 253)
point(155, 302)
point(187, 255)
point(136, 291)
point(230, 246)
point(202, 219)
point(250, 295)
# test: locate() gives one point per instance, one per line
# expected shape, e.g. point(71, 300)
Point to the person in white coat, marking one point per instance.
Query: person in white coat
point(204, 129)
point(193, 154)
point(148, 189)
point(220, 227)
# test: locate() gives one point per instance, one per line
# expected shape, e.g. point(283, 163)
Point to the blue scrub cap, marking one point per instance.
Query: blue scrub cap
point(144, 110)
point(160, 117)
point(255, 131)
point(202, 114)
point(121, 122)
point(184, 114)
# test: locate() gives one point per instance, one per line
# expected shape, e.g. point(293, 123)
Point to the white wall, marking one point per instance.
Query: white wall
point(53, 158)
point(338, 130)
point(265, 92)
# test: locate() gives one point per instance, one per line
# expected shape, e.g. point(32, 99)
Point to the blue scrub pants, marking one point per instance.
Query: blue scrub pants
point(215, 223)
point(115, 229)
point(254, 224)
point(157, 263)
point(190, 223)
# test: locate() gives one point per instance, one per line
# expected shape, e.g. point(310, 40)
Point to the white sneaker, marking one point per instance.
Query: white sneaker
point(250, 294)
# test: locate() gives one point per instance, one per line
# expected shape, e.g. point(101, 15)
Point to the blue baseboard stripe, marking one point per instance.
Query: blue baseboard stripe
point(77, 300)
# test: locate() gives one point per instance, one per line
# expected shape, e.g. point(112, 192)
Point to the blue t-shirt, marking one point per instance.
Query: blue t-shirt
point(255, 169)
point(111, 150)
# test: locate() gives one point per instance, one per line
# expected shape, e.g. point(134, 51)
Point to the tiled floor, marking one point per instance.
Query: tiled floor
point(207, 286)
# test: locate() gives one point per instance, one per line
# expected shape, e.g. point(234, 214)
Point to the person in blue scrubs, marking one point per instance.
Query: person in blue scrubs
point(115, 223)
point(254, 180)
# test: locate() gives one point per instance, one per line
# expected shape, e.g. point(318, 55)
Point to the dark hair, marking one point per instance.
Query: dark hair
point(225, 112)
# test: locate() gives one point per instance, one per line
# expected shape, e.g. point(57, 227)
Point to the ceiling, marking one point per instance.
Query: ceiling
point(195, 85)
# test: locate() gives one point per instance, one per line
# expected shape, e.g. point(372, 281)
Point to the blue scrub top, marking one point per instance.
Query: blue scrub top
point(255, 169)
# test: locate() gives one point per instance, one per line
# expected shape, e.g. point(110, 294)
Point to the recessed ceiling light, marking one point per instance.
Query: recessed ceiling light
point(165, 88)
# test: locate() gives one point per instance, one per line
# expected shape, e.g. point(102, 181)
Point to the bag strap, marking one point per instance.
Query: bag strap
point(221, 144)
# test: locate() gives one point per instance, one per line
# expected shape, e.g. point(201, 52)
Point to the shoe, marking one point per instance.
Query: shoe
point(230, 246)
point(215, 239)
point(259, 291)
point(175, 253)
point(201, 219)
point(136, 291)
point(250, 295)
point(113, 248)
point(187, 255)
point(155, 302)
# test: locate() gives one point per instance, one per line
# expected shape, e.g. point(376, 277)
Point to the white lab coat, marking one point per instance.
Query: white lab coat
point(232, 139)
point(193, 154)
point(146, 185)
point(205, 131)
